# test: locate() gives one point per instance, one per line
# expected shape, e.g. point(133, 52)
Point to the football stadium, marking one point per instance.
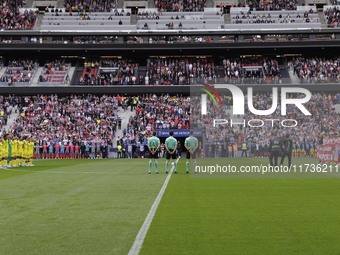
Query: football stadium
point(169, 127)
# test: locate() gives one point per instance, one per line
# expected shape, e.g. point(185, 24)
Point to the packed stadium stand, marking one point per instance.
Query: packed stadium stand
point(19, 72)
point(180, 6)
point(89, 6)
point(110, 72)
point(93, 120)
point(322, 107)
point(161, 112)
point(54, 73)
point(332, 16)
point(175, 70)
point(14, 17)
point(7, 104)
point(79, 56)
point(273, 5)
point(49, 117)
point(316, 69)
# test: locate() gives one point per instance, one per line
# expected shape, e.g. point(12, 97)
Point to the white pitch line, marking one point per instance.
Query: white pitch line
point(137, 244)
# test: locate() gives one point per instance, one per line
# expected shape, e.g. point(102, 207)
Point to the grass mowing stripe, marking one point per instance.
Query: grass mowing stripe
point(137, 245)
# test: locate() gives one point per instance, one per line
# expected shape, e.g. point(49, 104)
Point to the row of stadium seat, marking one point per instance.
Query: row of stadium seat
point(181, 71)
point(243, 17)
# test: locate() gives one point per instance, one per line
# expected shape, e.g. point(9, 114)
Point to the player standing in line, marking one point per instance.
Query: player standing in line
point(191, 144)
point(24, 153)
point(44, 150)
point(6, 151)
point(72, 150)
point(9, 155)
point(2, 153)
point(171, 147)
point(235, 149)
point(77, 151)
point(57, 150)
point(62, 150)
point(20, 145)
point(153, 145)
point(30, 152)
point(14, 153)
point(275, 148)
point(287, 145)
point(67, 151)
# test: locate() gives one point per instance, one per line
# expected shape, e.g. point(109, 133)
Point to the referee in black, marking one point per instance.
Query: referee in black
point(275, 148)
point(287, 148)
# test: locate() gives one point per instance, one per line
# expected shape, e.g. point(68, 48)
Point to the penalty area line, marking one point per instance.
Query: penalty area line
point(137, 244)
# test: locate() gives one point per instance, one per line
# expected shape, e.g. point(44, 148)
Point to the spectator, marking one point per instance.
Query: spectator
point(316, 69)
point(12, 19)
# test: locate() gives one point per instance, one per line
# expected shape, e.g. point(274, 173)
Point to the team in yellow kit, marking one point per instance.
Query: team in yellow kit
point(3, 152)
point(16, 152)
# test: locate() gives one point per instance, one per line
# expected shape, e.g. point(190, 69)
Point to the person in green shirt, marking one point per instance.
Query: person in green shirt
point(171, 148)
point(191, 144)
point(153, 146)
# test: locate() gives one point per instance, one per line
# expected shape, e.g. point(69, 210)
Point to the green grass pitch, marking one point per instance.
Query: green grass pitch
point(98, 207)
point(75, 207)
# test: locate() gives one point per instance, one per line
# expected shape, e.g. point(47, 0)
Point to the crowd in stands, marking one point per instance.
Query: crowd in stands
point(160, 112)
point(55, 65)
point(7, 104)
point(323, 123)
point(180, 6)
point(179, 71)
point(89, 6)
point(186, 70)
point(316, 69)
point(26, 64)
point(332, 16)
point(54, 71)
point(84, 126)
point(69, 120)
point(153, 15)
point(12, 19)
point(192, 70)
point(262, 5)
point(152, 112)
point(310, 131)
point(148, 15)
point(110, 72)
point(21, 71)
point(53, 10)
point(267, 18)
point(237, 71)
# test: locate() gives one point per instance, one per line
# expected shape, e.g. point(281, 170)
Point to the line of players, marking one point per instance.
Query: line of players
point(190, 143)
point(298, 150)
point(16, 152)
point(58, 150)
point(280, 147)
point(232, 150)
